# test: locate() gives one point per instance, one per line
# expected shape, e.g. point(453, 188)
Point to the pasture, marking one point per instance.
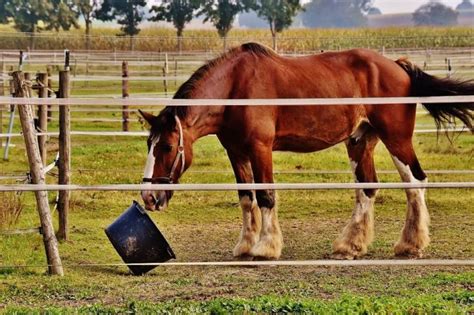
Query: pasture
point(204, 226)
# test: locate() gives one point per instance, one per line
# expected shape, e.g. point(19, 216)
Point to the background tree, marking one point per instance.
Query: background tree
point(27, 15)
point(178, 12)
point(128, 13)
point(88, 9)
point(222, 14)
point(435, 13)
point(278, 13)
point(465, 5)
point(336, 13)
point(4, 14)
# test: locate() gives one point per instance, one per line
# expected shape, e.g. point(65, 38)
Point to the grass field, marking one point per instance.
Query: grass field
point(205, 226)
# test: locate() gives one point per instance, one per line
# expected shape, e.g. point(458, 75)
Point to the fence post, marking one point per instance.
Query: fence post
point(43, 114)
point(27, 77)
point(64, 155)
point(37, 177)
point(50, 90)
point(125, 94)
point(10, 124)
point(165, 81)
point(2, 93)
point(175, 71)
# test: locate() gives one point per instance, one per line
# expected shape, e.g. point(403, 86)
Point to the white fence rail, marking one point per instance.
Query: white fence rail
point(238, 102)
point(224, 187)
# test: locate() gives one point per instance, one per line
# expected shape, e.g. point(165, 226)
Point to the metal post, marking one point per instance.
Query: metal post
point(37, 177)
point(64, 155)
point(50, 90)
point(125, 94)
point(2, 93)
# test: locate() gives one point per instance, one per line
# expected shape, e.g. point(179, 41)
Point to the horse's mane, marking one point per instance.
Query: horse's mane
point(165, 119)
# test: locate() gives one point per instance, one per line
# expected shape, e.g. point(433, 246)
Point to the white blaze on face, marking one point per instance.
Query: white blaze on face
point(150, 161)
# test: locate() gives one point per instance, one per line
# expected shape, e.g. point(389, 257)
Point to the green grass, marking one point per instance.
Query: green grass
point(453, 303)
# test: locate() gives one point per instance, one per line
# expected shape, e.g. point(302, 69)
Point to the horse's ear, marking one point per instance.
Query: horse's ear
point(148, 117)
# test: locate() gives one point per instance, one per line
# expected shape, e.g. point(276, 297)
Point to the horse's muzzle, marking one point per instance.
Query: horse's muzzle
point(155, 200)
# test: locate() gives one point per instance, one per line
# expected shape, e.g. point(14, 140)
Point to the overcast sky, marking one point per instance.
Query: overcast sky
point(402, 6)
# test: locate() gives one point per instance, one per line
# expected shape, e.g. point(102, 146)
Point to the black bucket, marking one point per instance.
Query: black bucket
point(138, 240)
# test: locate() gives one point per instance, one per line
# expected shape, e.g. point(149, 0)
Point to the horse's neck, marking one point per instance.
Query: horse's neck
point(204, 120)
point(217, 84)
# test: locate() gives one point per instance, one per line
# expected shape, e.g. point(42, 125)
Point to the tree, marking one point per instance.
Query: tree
point(435, 13)
point(4, 14)
point(64, 17)
point(128, 13)
point(465, 5)
point(178, 12)
point(88, 9)
point(278, 13)
point(336, 13)
point(222, 14)
point(27, 15)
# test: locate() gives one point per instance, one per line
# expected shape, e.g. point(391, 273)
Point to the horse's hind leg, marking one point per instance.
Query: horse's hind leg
point(397, 137)
point(251, 216)
point(415, 234)
point(358, 233)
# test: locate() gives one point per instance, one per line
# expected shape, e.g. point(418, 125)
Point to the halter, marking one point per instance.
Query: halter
point(179, 157)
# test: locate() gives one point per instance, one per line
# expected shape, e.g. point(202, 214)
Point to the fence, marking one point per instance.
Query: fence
point(39, 186)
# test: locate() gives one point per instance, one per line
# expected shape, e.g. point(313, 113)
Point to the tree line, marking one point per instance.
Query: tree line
point(33, 16)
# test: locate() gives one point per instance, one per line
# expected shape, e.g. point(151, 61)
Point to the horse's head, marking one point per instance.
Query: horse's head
point(169, 155)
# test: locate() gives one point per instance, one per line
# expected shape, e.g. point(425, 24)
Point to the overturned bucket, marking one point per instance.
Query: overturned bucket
point(138, 240)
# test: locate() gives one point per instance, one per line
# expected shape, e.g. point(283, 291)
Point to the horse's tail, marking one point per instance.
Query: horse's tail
point(423, 84)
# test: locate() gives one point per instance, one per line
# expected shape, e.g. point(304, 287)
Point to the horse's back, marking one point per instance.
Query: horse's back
point(352, 73)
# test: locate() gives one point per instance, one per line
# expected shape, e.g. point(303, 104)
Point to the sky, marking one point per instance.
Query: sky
point(404, 6)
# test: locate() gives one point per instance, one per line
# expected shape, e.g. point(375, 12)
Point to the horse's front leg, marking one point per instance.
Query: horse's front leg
point(271, 241)
point(251, 216)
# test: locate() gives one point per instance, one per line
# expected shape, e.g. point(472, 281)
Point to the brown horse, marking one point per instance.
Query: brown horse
point(251, 133)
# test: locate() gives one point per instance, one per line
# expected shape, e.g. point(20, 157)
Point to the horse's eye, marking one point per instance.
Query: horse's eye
point(165, 147)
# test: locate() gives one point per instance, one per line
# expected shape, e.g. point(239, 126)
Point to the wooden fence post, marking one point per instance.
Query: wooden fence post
point(37, 177)
point(10, 124)
point(64, 155)
point(165, 81)
point(27, 77)
point(125, 94)
point(43, 114)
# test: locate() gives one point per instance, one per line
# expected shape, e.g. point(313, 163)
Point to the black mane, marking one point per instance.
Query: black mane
point(166, 120)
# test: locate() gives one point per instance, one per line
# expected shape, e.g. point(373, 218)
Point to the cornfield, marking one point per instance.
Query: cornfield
point(164, 39)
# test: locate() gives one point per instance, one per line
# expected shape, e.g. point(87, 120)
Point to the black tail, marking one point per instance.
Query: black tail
point(423, 84)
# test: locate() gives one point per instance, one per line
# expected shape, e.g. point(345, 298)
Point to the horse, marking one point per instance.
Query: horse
point(251, 133)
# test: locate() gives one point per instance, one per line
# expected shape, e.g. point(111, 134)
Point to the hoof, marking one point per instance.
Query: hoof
point(347, 251)
point(243, 248)
point(342, 256)
point(404, 250)
point(267, 248)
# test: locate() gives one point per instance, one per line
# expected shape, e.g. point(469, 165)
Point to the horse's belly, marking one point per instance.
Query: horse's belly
point(302, 144)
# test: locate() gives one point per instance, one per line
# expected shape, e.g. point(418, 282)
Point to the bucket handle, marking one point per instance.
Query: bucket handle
point(139, 207)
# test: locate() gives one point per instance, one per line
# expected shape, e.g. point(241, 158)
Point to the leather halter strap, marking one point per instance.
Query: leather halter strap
point(180, 156)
